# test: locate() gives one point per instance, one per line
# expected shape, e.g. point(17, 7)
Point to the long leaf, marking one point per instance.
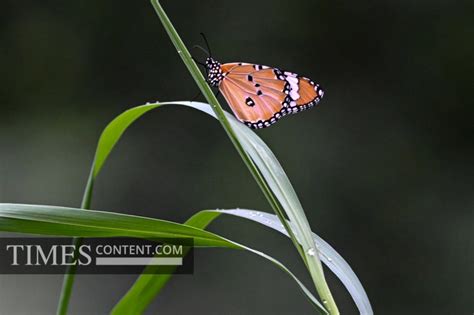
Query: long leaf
point(256, 148)
point(63, 221)
point(148, 285)
point(52, 220)
point(266, 173)
point(328, 255)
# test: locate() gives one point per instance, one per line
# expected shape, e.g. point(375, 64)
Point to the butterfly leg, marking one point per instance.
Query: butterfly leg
point(200, 63)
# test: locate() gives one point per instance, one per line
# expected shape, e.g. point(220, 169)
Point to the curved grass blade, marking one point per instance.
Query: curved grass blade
point(64, 221)
point(148, 285)
point(257, 149)
point(285, 199)
point(328, 255)
point(274, 178)
point(107, 141)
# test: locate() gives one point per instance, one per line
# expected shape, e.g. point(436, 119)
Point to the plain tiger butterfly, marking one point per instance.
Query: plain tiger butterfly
point(260, 95)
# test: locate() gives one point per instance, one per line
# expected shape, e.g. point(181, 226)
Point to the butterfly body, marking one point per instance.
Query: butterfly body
point(260, 95)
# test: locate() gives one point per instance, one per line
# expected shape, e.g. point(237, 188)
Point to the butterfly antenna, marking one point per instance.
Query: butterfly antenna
point(205, 51)
point(207, 44)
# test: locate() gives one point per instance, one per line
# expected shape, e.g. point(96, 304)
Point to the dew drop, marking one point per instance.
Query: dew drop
point(311, 251)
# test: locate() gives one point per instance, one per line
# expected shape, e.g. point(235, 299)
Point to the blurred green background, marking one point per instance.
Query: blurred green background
point(384, 166)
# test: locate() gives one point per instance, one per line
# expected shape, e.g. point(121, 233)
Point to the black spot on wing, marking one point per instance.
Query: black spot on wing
point(249, 101)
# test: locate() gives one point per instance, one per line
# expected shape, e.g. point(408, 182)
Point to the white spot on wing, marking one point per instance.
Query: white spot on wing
point(293, 87)
point(294, 95)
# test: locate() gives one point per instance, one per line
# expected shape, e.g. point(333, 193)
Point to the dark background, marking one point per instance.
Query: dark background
point(383, 167)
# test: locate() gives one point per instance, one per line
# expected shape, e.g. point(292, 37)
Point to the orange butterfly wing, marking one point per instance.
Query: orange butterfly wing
point(259, 95)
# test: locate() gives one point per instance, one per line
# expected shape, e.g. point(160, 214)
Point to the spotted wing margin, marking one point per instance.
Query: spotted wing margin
point(260, 95)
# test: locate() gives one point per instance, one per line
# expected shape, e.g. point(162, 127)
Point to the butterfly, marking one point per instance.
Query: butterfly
point(260, 95)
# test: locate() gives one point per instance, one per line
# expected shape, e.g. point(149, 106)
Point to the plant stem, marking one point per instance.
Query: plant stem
point(70, 274)
point(312, 263)
point(216, 107)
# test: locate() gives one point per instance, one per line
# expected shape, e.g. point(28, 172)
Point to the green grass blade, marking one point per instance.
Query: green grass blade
point(222, 117)
point(252, 143)
point(259, 152)
point(64, 221)
point(278, 201)
point(107, 141)
point(112, 133)
point(280, 194)
point(148, 285)
point(328, 255)
point(264, 176)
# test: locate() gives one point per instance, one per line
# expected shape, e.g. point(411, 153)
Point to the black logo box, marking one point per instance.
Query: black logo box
point(51, 255)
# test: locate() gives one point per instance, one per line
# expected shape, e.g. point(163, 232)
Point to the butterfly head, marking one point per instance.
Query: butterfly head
point(214, 72)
